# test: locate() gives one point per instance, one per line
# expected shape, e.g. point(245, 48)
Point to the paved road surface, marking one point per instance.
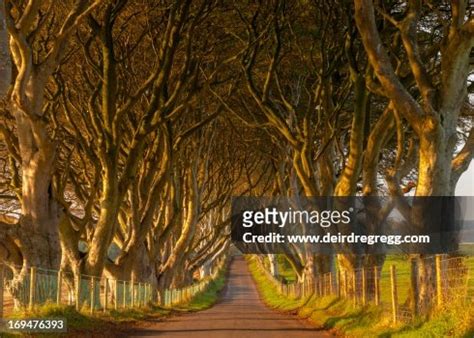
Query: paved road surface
point(239, 314)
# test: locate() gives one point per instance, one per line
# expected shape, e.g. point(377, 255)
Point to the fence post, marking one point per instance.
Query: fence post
point(364, 287)
point(328, 282)
point(338, 283)
point(439, 286)
point(346, 287)
point(2, 276)
point(149, 294)
point(59, 287)
point(354, 285)
point(78, 292)
point(414, 285)
point(32, 287)
point(393, 282)
point(376, 285)
point(106, 294)
point(116, 294)
point(132, 292)
point(124, 296)
point(92, 295)
point(320, 286)
point(139, 294)
point(325, 280)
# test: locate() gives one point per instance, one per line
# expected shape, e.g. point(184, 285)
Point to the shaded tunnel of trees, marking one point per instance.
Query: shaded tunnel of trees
point(128, 125)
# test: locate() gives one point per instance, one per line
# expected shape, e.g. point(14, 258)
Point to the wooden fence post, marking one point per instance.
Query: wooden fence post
point(93, 282)
point(323, 285)
point(326, 284)
point(346, 286)
point(124, 296)
point(320, 286)
point(393, 282)
point(2, 276)
point(106, 294)
point(116, 286)
point(338, 283)
point(32, 287)
point(151, 294)
point(329, 279)
point(354, 287)
point(139, 294)
point(132, 293)
point(414, 285)
point(148, 293)
point(59, 290)
point(364, 287)
point(78, 292)
point(439, 285)
point(376, 286)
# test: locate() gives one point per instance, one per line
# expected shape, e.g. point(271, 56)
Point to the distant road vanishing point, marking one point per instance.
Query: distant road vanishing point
point(239, 314)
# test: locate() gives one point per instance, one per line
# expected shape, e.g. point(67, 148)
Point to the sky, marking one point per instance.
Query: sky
point(465, 186)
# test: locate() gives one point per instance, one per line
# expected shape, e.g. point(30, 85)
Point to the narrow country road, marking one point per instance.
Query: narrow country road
point(239, 314)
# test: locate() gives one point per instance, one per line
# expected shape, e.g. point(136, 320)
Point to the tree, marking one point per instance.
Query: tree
point(434, 112)
point(5, 62)
point(35, 59)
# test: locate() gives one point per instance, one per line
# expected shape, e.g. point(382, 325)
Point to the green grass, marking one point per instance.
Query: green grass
point(207, 298)
point(369, 321)
point(269, 292)
point(403, 278)
point(466, 249)
point(285, 270)
point(403, 275)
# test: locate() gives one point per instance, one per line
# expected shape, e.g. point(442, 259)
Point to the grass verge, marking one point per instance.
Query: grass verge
point(112, 322)
point(369, 321)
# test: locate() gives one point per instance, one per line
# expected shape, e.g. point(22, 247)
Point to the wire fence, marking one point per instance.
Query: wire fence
point(447, 281)
point(172, 297)
point(38, 287)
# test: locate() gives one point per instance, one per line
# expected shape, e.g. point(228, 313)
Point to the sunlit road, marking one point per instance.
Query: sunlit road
point(240, 313)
